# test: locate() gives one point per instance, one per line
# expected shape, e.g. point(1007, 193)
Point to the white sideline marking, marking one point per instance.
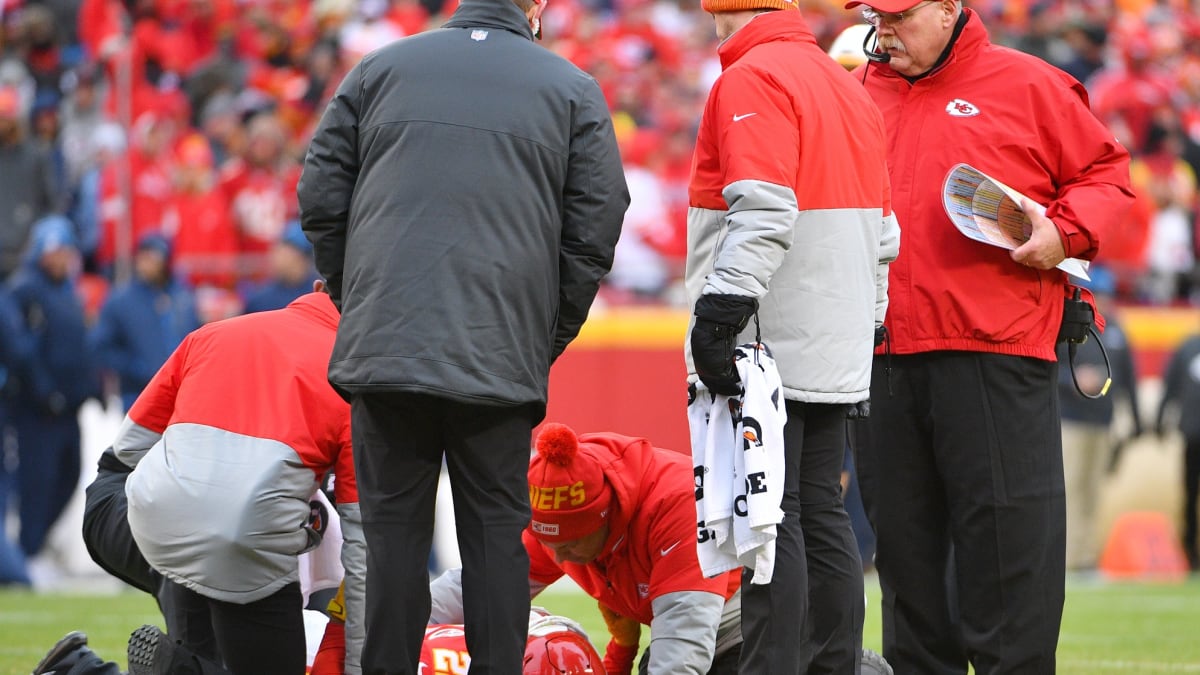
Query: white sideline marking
point(1137, 666)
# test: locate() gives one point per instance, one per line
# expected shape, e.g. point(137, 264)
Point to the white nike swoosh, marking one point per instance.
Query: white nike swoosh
point(668, 549)
point(739, 118)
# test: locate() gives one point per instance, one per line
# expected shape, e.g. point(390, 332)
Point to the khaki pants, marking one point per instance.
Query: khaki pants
point(1086, 448)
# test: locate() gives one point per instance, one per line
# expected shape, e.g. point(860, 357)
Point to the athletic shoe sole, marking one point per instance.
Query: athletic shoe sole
point(70, 642)
point(149, 651)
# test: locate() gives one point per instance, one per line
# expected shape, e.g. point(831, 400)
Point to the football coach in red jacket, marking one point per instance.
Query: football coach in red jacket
point(960, 461)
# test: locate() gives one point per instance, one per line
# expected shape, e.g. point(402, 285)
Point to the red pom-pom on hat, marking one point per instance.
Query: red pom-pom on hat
point(558, 443)
point(568, 494)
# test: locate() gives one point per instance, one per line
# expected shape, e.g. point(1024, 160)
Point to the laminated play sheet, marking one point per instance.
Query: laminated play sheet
point(988, 211)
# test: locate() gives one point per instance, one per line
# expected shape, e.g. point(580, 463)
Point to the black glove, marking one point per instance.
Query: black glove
point(719, 320)
point(880, 334)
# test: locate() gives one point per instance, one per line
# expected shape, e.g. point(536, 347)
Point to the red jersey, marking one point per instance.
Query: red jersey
point(651, 549)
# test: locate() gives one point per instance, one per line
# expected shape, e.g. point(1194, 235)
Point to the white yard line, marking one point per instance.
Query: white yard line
point(1090, 666)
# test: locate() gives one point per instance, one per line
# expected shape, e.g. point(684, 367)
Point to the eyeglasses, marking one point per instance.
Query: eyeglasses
point(893, 19)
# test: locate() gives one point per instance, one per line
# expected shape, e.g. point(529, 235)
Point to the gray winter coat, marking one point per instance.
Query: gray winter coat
point(463, 194)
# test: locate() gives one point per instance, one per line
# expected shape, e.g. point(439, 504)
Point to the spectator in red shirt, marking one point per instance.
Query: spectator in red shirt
point(150, 169)
point(197, 218)
point(260, 187)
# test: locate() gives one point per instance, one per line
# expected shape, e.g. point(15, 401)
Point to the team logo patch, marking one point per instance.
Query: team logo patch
point(318, 517)
point(547, 529)
point(961, 108)
point(479, 35)
point(643, 590)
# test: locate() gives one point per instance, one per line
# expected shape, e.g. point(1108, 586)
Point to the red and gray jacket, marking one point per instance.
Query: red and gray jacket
point(790, 205)
point(228, 443)
point(1026, 123)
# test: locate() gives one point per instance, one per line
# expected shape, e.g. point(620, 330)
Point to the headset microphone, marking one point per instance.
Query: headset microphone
point(872, 55)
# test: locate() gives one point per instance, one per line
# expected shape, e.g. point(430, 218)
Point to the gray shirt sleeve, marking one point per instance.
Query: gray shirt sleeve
point(683, 634)
point(889, 248)
point(354, 560)
point(445, 593)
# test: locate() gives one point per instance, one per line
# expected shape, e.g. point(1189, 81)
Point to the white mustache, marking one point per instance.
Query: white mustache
point(890, 44)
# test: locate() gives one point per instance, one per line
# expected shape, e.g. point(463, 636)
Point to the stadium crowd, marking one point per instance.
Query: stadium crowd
point(190, 119)
point(150, 151)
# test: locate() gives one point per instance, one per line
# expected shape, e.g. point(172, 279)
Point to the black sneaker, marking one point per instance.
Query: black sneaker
point(61, 656)
point(150, 651)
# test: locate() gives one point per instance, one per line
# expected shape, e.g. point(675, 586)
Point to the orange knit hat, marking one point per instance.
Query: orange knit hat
point(568, 493)
point(739, 5)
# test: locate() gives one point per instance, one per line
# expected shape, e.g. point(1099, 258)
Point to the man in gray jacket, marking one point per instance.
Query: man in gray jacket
point(463, 194)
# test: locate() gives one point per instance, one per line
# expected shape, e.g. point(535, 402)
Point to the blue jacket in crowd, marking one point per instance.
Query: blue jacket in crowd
point(15, 343)
point(59, 375)
point(277, 295)
point(139, 326)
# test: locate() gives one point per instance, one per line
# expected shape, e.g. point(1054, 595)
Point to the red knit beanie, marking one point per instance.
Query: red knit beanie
point(568, 494)
point(738, 5)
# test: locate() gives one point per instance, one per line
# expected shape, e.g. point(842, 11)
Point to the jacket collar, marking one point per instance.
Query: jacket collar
point(502, 14)
point(784, 25)
point(318, 306)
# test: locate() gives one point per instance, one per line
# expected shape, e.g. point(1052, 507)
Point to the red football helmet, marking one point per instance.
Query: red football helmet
point(559, 646)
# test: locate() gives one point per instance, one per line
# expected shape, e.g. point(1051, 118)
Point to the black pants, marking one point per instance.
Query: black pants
point(264, 637)
point(106, 527)
point(110, 543)
point(399, 444)
point(960, 465)
point(1191, 493)
point(809, 619)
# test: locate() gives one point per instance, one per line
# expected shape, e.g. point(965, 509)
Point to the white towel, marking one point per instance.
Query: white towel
point(321, 567)
point(738, 459)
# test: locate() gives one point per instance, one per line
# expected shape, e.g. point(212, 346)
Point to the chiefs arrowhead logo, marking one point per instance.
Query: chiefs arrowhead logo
point(961, 108)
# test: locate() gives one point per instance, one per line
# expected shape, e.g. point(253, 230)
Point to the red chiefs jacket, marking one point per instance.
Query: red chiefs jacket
point(1026, 123)
point(649, 571)
point(228, 442)
point(789, 203)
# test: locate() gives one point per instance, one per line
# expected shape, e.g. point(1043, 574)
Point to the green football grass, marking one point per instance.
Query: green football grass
point(1107, 627)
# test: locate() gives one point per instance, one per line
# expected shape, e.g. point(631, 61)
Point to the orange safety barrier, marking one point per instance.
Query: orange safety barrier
point(1142, 545)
